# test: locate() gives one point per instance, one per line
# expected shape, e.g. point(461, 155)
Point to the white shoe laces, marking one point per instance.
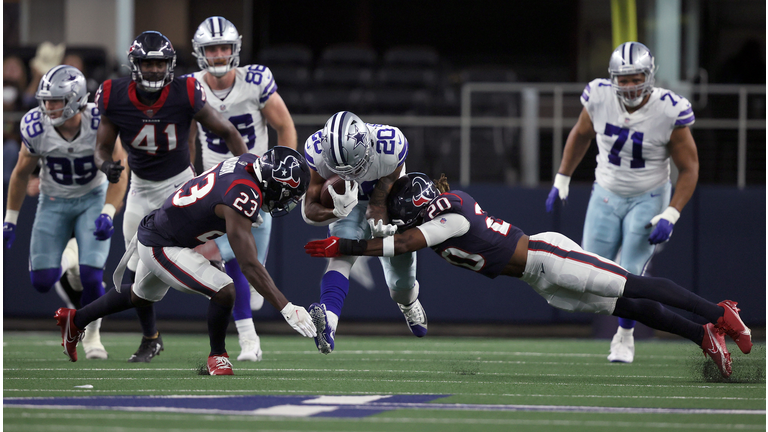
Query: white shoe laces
point(414, 313)
point(223, 363)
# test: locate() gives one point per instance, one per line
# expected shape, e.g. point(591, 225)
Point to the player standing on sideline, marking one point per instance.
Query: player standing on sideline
point(639, 127)
point(74, 195)
point(247, 96)
point(224, 199)
point(152, 112)
point(569, 278)
point(369, 158)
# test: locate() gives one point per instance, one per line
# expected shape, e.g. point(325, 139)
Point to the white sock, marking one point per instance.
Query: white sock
point(246, 329)
point(92, 334)
point(625, 332)
point(333, 319)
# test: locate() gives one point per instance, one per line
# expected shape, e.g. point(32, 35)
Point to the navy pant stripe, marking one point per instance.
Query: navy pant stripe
point(540, 246)
point(179, 274)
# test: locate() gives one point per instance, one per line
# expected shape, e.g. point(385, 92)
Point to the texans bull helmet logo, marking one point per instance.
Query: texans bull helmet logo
point(423, 192)
point(288, 172)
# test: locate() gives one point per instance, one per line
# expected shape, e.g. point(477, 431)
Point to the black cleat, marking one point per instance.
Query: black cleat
point(148, 349)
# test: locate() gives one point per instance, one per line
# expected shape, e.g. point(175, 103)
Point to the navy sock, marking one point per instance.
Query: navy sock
point(93, 288)
point(669, 293)
point(656, 316)
point(218, 320)
point(109, 303)
point(242, 309)
point(626, 323)
point(333, 290)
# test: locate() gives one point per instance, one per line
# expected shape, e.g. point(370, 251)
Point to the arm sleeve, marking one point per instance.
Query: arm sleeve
point(447, 226)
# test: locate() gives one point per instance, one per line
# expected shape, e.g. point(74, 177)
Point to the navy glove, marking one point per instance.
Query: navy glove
point(113, 170)
point(104, 227)
point(9, 234)
point(559, 189)
point(664, 222)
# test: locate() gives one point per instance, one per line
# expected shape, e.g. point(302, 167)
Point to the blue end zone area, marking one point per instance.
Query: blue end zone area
point(317, 406)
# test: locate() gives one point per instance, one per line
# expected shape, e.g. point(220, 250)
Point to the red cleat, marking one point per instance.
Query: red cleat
point(219, 365)
point(70, 334)
point(732, 325)
point(714, 346)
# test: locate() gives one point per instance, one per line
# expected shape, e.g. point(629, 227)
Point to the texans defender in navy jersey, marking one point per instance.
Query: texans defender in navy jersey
point(569, 278)
point(223, 200)
point(152, 112)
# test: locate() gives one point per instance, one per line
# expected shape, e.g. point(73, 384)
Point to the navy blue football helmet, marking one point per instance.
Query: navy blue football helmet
point(409, 199)
point(151, 45)
point(284, 179)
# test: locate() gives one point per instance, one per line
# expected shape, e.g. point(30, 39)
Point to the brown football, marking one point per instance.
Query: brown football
point(338, 185)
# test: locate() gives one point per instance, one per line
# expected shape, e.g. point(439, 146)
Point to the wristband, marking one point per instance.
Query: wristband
point(562, 181)
point(352, 247)
point(11, 216)
point(109, 210)
point(389, 246)
point(671, 214)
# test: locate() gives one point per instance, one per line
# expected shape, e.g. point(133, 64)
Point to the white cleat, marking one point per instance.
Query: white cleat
point(250, 350)
point(622, 348)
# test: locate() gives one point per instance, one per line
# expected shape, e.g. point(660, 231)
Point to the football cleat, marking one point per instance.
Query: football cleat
point(325, 334)
point(713, 345)
point(732, 325)
point(622, 349)
point(70, 334)
point(250, 350)
point(415, 317)
point(219, 365)
point(148, 349)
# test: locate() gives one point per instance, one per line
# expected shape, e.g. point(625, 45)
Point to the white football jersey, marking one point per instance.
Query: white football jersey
point(632, 148)
point(69, 170)
point(254, 84)
point(390, 151)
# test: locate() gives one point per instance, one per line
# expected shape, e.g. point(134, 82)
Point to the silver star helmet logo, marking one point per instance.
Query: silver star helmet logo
point(357, 135)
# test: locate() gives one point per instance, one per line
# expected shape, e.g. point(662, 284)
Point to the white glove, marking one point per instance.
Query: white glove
point(259, 221)
point(381, 230)
point(561, 183)
point(343, 204)
point(299, 319)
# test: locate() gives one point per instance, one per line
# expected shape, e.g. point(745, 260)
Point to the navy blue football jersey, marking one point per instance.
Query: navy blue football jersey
point(187, 218)
point(488, 245)
point(155, 137)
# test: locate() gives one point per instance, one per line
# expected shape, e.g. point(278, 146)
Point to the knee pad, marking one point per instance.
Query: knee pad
point(43, 280)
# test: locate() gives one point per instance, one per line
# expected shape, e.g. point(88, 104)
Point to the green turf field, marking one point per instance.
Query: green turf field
point(382, 384)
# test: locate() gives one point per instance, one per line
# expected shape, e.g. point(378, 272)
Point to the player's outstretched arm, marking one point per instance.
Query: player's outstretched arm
point(17, 189)
point(222, 127)
point(409, 241)
point(280, 119)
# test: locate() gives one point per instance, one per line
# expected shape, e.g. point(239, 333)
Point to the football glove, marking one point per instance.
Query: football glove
point(104, 227)
point(113, 170)
point(299, 319)
point(559, 189)
point(344, 203)
point(664, 222)
point(259, 221)
point(380, 229)
point(9, 234)
point(325, 248)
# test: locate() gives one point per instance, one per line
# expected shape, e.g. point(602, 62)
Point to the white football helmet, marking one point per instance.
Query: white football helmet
point(347, 145)
point(628, 59)
point(216, 31)
point(63, 83)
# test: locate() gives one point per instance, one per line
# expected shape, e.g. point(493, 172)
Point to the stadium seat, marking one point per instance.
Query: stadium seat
point(285, 55)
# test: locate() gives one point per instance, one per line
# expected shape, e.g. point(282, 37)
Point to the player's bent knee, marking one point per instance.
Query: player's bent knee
point(226, 296)
point(138, 301)
point(43, 280)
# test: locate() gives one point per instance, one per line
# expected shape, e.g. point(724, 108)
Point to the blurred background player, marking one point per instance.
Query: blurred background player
point(74, 195)
point(638, 127)
point(247, 96)
point(369, 158)
point(569, 278)
point(152, 112)
point(225, 199)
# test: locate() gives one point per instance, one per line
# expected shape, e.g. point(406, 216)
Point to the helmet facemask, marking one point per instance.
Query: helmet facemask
point(154, 81)
point(212, 32)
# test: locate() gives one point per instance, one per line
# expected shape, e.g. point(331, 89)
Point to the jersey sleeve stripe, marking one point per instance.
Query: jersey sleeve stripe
point(191, 90)
point(271, 88)
point(685, 118)
point(27, 144)
point(403, 154)
point(245, 182)
point(106, 89)
point(310, 160)
point(585, 93)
